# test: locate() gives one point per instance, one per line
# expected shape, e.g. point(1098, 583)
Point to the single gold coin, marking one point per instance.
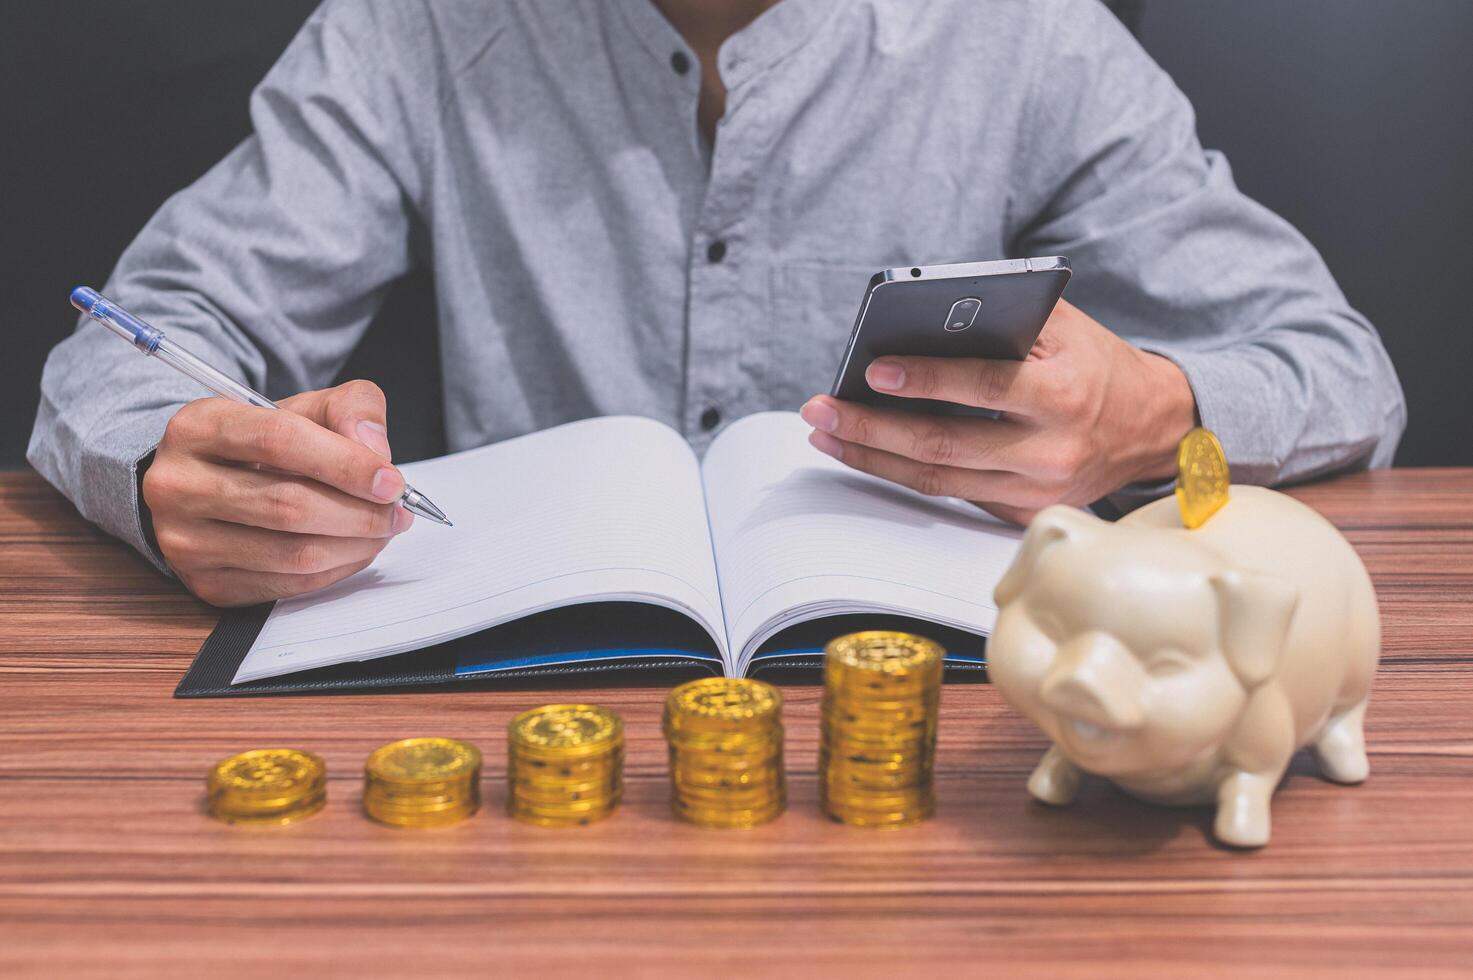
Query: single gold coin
point(558, 728)
point(424, 760)
point(881, 652)
point(1202, 477)
point(723, 702)
point(276, 786)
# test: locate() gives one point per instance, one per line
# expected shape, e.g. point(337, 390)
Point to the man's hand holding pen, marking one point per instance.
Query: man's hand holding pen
point(251, 504)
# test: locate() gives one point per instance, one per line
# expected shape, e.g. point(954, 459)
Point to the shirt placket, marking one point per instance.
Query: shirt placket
point(726, 271)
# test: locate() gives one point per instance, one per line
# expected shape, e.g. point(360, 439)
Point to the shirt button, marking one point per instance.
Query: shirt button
point(680, 62)
point(710, 419)
point(716, 251)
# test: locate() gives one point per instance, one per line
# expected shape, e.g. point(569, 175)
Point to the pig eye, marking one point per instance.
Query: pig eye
point(1165, 663)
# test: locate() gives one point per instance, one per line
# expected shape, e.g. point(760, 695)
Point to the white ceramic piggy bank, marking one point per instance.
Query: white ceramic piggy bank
point(1187, 666)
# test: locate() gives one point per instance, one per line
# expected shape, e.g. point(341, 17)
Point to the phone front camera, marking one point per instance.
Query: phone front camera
point(916, 273)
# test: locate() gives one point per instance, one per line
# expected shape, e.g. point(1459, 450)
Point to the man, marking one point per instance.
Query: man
point(670, 208)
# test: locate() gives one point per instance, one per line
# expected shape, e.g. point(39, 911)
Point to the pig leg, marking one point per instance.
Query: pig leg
point(1055, 780)
point(1242, 808)
point(1340, 748)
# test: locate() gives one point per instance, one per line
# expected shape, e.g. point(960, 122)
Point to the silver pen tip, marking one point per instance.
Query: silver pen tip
point(417, 503)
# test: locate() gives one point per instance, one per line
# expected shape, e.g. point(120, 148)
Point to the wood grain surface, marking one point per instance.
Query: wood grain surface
point(109, 867)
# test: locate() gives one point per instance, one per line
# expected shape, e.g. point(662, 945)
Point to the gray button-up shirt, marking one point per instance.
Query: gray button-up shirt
point(543, 158)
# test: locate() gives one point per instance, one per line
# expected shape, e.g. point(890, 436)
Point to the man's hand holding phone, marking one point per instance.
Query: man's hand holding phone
point(1084, 415)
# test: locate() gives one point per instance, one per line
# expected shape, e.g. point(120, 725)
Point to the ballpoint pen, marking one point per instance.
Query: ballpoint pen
point(151, 341)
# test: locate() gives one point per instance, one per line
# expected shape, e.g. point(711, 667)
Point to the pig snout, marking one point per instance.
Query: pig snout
point(1096, 680)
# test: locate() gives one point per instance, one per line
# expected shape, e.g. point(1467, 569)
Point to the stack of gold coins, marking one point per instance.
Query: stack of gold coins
point(565, 765)
point(878, 747)
point(267, 786)
point(726, 752)
point(422, 782)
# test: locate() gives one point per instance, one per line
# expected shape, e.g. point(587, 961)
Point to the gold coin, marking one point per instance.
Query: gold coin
point(723, 703)
point(560, 815)
point(554, 729)
point(886, 820)
point(555, 796)
point(726, 749)
point(419, 817)
point(755, 755)
point(881, 655)
point(276, 786)
point(424, 760)
point(1202, 477)
point(729, 819)
point(727, 798)
point(538, 818)
point(558, 769)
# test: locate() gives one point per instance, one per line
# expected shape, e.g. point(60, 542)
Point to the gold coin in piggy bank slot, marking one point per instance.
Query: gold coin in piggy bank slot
point(1202, 477)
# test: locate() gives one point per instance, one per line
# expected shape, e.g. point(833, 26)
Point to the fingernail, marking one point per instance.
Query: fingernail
point(885, 376)
point(826, 444)
point(387, 486)
point(820, 416)
point(375, 437)
point(402, 520)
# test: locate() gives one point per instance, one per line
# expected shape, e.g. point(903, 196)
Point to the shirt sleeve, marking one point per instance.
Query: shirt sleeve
point(1170, 255)
point(270, 267)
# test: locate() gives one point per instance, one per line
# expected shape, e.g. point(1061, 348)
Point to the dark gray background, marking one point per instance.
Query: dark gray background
point(1349, 117)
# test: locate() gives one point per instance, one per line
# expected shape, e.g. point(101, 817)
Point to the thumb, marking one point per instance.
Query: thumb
point(354, 409)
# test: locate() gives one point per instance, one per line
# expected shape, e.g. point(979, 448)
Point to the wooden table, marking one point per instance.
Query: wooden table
point(109, 867)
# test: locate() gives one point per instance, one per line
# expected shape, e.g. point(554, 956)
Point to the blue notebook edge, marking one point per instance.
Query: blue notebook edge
point(586, 641)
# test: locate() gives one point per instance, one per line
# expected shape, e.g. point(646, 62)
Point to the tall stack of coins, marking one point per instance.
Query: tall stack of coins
point(565, 765)
point(267, 786)
point(878, 746)
point(726, 752)
point(422, 782)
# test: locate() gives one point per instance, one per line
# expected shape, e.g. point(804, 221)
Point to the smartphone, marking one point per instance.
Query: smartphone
point(994, 310)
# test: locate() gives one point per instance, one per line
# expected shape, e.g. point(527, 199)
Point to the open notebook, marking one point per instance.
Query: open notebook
point(607, 542)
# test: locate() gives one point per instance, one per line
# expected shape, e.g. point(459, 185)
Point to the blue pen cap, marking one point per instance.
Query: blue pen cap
point(117, 319)
point(85, 298)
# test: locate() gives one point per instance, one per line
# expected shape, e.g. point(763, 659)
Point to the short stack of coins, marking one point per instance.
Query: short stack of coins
point(726, 752)
point(422, 782)
point(267, 786)
point(565, 765)
point(878, 747)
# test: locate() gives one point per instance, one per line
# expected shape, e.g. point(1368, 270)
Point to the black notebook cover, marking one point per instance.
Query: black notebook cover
point(584, 641)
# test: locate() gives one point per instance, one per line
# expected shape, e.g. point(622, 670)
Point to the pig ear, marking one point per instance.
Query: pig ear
point(1253, 617)
point(1052, 525)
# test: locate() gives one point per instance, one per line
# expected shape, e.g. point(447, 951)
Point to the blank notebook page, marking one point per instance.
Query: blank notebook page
point(793, 527)
point(604, 508)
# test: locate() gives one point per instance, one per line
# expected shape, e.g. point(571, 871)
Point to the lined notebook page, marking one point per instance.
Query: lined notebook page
point(606, 508)
point(797, 530)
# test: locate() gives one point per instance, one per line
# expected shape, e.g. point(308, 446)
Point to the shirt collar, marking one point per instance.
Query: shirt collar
point(779, 31)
